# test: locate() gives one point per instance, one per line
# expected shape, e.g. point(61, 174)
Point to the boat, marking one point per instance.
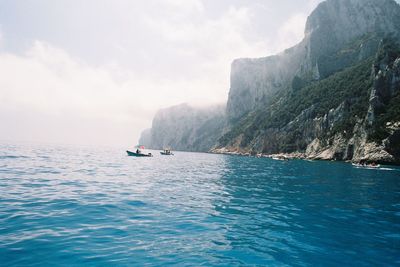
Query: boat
point(167, 152)
point(279, 157)
point(367, 166)
point(138, 152)
point(134, 154)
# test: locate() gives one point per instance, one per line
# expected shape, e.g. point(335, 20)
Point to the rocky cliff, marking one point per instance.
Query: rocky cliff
point(321, 97)
point(333, 26)
point(351, 115)
point(333, 96)
point(185, 128)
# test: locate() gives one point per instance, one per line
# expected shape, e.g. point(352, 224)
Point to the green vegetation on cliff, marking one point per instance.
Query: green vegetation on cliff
point(390, 110)
point(352, 85)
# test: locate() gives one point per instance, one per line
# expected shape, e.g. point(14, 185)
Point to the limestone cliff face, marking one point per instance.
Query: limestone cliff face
point(363, 126)
point(185, 128)
point(326, 48)
point(335, 95)
point(337, 22)
point(375, 137)
point(253, 81)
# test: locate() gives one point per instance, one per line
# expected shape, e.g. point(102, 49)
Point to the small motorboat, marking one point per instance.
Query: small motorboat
point(140, 154)
point(279, 157)
point(366, 165)
point(167, 152)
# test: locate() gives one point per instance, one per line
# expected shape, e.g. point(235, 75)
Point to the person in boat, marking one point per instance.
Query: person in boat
point(137, 151)
point(166, 151)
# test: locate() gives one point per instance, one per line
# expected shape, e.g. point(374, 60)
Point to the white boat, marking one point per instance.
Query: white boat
point(280, 158)
point(167, 152)
point(366, 166)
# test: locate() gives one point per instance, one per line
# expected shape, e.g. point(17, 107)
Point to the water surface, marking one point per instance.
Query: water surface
point(63, 205)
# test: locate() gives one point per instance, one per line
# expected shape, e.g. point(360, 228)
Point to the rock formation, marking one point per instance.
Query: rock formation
point(334, 24)
point(334, 96)
point(185, 128)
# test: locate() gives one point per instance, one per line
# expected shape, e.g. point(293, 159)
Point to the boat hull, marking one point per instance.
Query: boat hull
point(139, 155)
point(358, 165)
point(166, 154)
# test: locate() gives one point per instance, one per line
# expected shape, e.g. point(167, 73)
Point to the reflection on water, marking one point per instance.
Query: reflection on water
point(68, 206)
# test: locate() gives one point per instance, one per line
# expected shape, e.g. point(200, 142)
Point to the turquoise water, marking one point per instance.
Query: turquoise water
point(66, 206)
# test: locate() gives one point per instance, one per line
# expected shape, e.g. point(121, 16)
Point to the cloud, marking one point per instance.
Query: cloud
point(292, 31)
point(226, 31)
point(175, 52)
point(48, 82)
point(48, 95)
point(205, 47)
point(47, 89)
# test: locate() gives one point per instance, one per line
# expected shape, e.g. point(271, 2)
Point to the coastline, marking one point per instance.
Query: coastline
point(295, 155)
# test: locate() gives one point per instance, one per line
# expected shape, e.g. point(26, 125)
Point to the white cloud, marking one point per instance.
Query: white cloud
point(208, 46)
point(178, 53)
point(201, 32)
point(292, 31)
point(48, 89)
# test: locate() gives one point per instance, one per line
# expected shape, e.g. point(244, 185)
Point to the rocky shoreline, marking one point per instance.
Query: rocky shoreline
point(302, 156)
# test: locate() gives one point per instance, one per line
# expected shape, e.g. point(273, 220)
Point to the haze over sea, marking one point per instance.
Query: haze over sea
point(68, 206)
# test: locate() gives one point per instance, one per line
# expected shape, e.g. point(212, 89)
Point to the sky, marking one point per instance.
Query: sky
point(95, 72)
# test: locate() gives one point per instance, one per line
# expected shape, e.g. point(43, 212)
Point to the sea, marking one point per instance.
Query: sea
point(90, 206)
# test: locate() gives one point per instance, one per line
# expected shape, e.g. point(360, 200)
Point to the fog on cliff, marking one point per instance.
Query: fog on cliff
point(95, 72)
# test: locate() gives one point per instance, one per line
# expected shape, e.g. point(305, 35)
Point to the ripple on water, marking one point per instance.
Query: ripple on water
point(83, 206)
